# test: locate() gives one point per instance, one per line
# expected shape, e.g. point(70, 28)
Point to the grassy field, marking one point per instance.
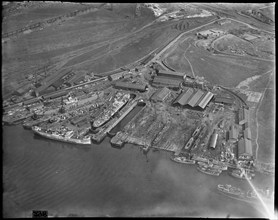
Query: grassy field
point(75, 41)
point(223, 70)
point(177, 61)
point(33, 15)
point(130, 52)
point(266, 119)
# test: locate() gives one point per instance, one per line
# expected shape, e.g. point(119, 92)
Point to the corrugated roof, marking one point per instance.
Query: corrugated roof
point(194, 100)
point(185, 96)
point(245, 147)
point(223, 100)
point(56, 94)
point(247, 133)
point(166, 81)
point(130, 86)
point(203, 103)
point(161, 94)
point(243, 115)
point(233, 133)
point(171, 73)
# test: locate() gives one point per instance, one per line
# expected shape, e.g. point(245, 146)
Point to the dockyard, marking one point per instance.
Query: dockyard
point(195, 121)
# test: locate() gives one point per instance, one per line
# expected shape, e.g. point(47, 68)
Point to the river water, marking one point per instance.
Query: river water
point(99, 180)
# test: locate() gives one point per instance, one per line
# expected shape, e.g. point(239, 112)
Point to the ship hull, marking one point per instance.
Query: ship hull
point(216, 173)
point(101, 121)
point(63, 139)
point(187, 161)
point(239, 177)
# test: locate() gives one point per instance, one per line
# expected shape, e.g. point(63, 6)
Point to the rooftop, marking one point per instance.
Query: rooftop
point(194, 100)
point(185, 97)
point(245, 147)
point(203, 103)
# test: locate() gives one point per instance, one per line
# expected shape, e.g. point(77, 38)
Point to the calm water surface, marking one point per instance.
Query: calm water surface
point(99, 180)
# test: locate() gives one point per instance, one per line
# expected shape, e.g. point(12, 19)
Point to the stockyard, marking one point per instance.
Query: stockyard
point(198, 79)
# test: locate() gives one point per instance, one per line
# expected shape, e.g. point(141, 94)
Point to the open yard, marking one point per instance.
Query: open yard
point(225, 70)
point(266, 121)
point(76, 40)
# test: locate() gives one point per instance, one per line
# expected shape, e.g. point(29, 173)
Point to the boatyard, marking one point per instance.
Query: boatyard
point(145, 109)
point(199, 123)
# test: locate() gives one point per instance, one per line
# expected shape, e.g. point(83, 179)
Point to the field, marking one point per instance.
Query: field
point(269, 12)
point(222, 70)
point(266, 120)
point(82, 38)
point(177, 61)
point(33, 15)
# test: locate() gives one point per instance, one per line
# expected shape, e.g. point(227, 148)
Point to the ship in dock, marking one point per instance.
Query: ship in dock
point(119, 101)
point(67, 137)
point(209, 170)
point(242, 174)
point(183, 160)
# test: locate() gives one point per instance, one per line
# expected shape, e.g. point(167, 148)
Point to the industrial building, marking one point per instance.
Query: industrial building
point(209, 33)
point(233, 134)
point(247, 133)
point(245, 149)
point(205, 100)
point(223, 100)
point(166, 82)
point(30, 101)
point(130, 86)
point(55, 95)
point(58, 83)
point(171, 74)
point(191, 98)
point(195, 98)
point(213, 140)
point(50, 80)
point(243, 116)
point(184, 97)
point(161, 95)
point(116, 76)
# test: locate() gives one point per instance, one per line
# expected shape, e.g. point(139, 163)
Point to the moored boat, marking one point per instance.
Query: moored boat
point(209, 171)
point(119, 101)
point(183, 160)
point(67, 138)
point(241, 174)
